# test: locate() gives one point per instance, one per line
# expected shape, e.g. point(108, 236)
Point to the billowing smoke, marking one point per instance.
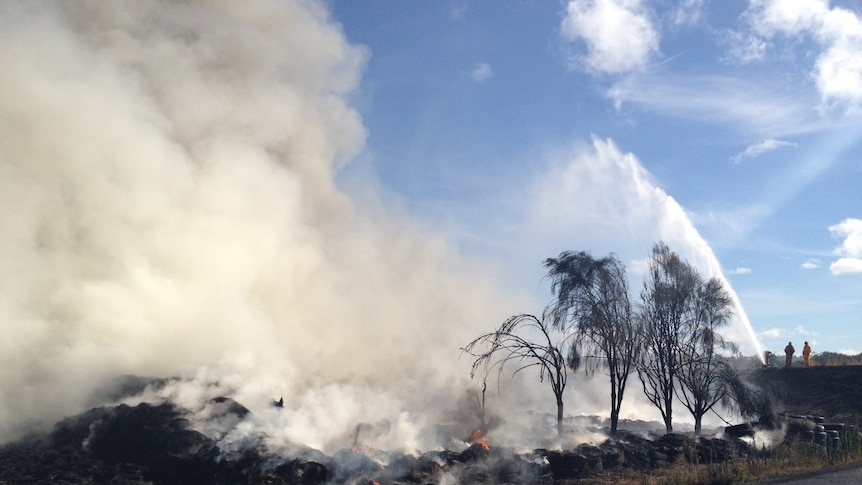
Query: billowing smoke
point(169, 209)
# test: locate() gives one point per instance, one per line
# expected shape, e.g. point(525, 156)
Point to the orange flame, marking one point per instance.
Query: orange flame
point(478, 437)
point(362, 449)
point(483, 442)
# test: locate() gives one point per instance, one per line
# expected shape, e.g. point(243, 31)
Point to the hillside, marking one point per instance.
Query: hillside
point(834, 392)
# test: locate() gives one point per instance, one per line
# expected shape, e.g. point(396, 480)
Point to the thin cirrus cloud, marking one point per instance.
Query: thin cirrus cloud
point(740, 270)
point(812, 263)
point(837, 70)
point(742, 47)
point(760, 148)
point(850, 250)
point(482, 72)
point(775, 332)
point(619, 34)
point(687, 12)
point(730, 227)
point(747, 104)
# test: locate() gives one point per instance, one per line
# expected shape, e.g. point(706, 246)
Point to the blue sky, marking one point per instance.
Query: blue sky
point(731, 130)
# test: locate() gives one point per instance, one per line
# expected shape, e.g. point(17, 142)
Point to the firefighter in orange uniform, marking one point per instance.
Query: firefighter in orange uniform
point(806, 354)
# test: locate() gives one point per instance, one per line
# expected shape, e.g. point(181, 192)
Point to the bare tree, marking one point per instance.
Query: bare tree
point(685, 354)
point(592, 301)
point(480, 405)
point(706, 378)
point(513, 342)
point(665, 304)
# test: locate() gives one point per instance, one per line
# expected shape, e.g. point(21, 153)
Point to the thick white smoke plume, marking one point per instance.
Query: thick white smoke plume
point(168, 208)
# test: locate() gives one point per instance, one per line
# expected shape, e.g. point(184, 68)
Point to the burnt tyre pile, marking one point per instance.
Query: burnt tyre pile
point(816, 429)
point(155, 443)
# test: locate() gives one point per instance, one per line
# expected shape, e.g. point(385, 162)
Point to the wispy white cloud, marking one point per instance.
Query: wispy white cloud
point(731, 226)
point(458, 12)
point(619, 34)
point(740, 270)
point(687, 12)
point(812, 263)
point(769, 17)
point(751, 105)
point(742, 47)
point(849, 351)
point(760, 148)
point(639, 266)
point(798, 331)
point(850, 250)
point(482, 72)
point(838, 31)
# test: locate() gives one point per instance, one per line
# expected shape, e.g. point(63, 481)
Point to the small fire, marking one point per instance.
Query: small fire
point(478, 437)
point(363, 449)
point(483, 442)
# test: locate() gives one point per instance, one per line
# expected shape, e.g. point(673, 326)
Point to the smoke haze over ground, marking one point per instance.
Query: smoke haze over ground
point(169, 208)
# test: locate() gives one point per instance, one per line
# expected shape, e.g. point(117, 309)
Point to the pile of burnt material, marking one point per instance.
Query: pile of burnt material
point(155, 443)
point(141, 444)
point(815, 429)
point(634, 451)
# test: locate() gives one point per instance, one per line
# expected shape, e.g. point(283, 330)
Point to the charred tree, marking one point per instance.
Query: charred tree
point(706, 378)
point(480, 406)
point(665, 309)
point(685, 355)
point(513, 342)
point(592, 302)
